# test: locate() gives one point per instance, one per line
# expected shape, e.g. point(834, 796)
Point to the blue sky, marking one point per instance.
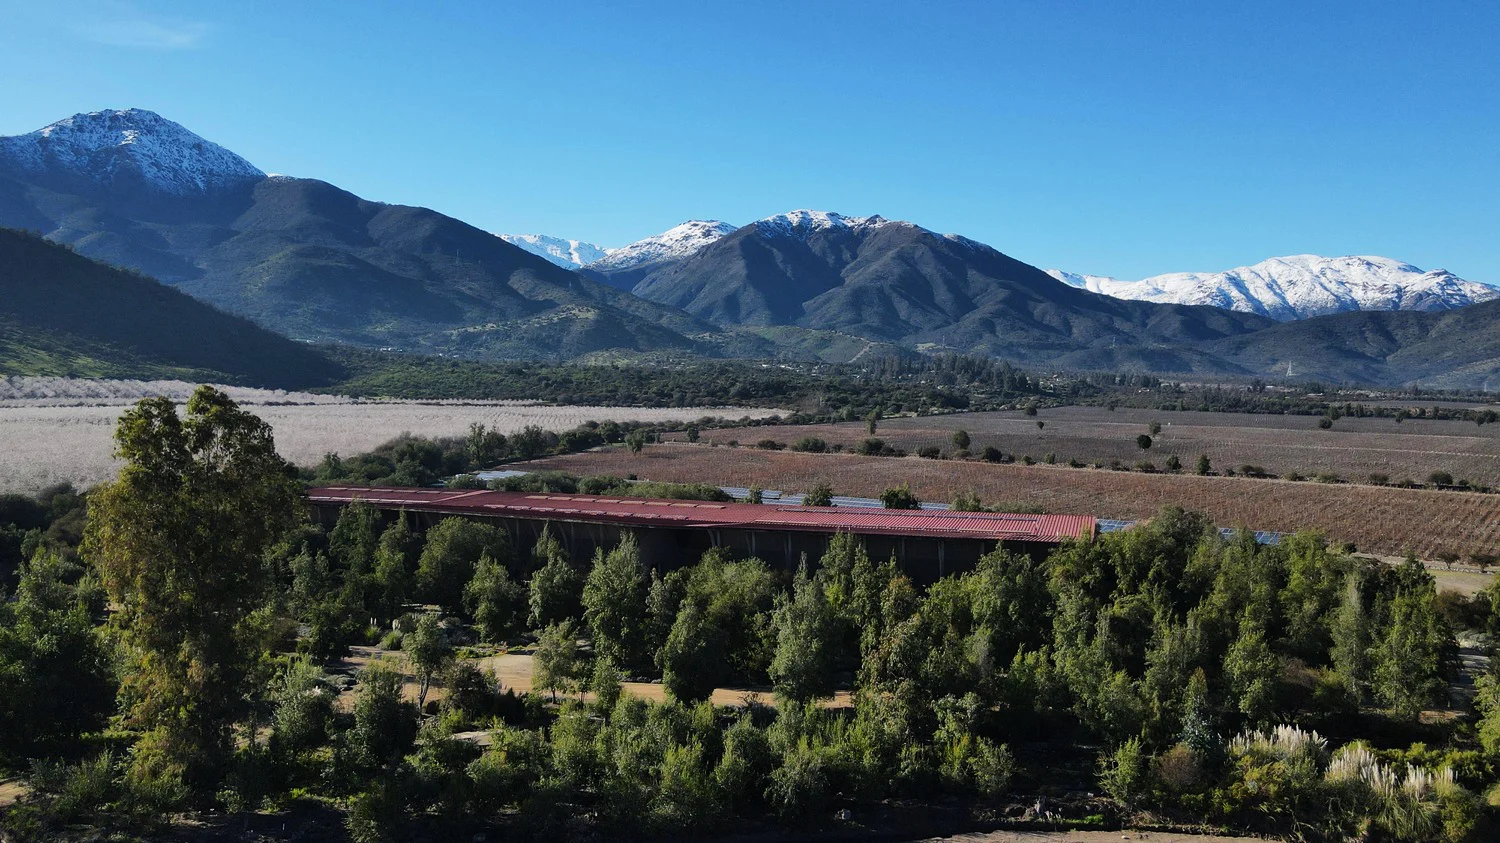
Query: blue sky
point(1119, 138)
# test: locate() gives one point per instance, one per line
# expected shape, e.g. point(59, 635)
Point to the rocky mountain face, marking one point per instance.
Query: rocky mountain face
point(1300, 286)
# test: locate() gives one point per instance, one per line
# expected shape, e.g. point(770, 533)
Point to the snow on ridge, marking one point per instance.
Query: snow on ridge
point(570, 254)
point(106, 144)
point(1300, 286)
point(803, 221)
point(676, 242)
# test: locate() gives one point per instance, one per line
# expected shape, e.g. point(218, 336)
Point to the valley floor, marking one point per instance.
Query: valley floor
point(63, 432)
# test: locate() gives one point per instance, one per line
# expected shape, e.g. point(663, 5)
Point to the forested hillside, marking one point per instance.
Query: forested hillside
point(63, 314)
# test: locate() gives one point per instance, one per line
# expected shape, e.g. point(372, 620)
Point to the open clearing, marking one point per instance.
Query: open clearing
point(1354, 448)
point(65, 432)
point(1377, 519)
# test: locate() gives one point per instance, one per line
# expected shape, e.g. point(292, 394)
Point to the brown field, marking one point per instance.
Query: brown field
point(1354, 448)
point(1377, 519)
point(55, 430)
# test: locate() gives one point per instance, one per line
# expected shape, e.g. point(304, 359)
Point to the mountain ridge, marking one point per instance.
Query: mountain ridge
point(1300, 286)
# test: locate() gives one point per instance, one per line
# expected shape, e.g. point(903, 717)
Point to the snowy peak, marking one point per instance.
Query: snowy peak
point(678, 241)
point(801, 223)
point(1300, 286)
point(570, 254)
point(129, 144)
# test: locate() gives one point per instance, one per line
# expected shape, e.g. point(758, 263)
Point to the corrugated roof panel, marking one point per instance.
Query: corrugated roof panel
point(937, 523)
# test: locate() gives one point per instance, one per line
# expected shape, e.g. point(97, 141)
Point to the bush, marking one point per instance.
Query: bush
point(991, 454)
point(799, 787)
point(769, 445)
point(899, 497)
point(931, 452)
point(810, 444)
point(1440, 478)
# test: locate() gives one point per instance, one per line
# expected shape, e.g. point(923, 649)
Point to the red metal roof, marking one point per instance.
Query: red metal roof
point(703, 515)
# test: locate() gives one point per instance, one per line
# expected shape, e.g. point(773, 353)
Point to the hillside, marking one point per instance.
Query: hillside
point(63, 314)
point(898, 282)
point(1451, 349)
point(305, 258)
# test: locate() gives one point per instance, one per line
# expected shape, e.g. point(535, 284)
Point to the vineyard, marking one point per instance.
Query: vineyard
point(1378, 519)
point(1353, 448)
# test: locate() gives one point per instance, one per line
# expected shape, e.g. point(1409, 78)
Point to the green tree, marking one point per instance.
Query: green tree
point(450, 555)
point(899, 497)
point(614, 605)
point(495, 601)
point(967, 502)
point(56, 670)
point(1408, 659)
point(872, 421)
point(1204, 466)
point(1253, 672)
point(961, 440)
point(1143, 442)
point(427, 649)
point(486, 445)
point(806, 642)
point(393, 581)
point(556, 665)
point(716, 633)
point(821, 494)
point(636, 440)
point(556, 591)
point(178, 540)
point(1155, 427)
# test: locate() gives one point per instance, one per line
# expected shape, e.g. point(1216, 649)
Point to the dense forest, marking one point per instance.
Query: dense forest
point(172, 640)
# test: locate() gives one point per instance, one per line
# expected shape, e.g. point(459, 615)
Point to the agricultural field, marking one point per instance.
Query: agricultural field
point(1354, 448)
point(1382, 520)
point(54, 432)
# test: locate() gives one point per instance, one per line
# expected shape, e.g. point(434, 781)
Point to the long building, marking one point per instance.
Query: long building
point(928, 544)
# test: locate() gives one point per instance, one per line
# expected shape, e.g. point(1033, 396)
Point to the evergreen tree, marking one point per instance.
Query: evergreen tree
point(806, 642)
point(450, 555)
point(614, 605)
point(494, 600)
point(556, 591)
point(1408, 659)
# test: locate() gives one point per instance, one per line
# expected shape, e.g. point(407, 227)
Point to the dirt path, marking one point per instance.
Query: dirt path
point(513, 669)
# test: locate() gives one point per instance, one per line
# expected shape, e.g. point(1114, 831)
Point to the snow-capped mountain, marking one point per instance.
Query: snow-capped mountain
point(676, 242)
point(130, 145)
point(566, 253)
point(801, 223)
point(1300, 286)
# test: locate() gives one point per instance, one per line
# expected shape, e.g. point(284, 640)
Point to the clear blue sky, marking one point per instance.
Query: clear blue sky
point(1119, 138)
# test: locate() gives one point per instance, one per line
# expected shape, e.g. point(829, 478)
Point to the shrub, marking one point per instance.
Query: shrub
point(991, 454)
point(1126, 773)
point(1440, 478)
point(769, 445)
point(899, 497)
point(821, 494)
point(1174, 463)
point(798, 789)
point(931, 452)
point(810, 444)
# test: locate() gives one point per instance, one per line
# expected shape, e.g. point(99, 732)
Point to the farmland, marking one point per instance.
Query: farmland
point(1353, 449)
point(1378, 519)
point(63, 432)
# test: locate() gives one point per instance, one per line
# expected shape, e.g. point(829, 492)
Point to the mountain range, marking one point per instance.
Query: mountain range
point(1300, 286)
point(312, 261)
